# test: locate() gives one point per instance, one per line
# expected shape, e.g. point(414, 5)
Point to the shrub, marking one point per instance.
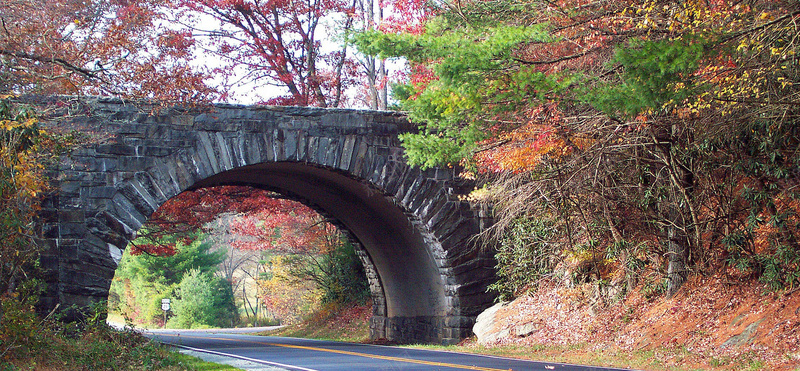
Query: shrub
point(205, 301)
point(524, 255)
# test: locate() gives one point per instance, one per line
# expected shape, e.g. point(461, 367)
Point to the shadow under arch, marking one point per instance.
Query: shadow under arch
point(405, 281)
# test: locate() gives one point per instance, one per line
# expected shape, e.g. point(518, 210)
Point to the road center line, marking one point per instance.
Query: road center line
point(365, 355)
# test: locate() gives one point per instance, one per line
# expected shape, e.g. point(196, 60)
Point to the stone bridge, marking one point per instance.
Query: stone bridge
point(427, 276)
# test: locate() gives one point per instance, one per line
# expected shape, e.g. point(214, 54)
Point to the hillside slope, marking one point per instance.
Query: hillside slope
point(709, 323)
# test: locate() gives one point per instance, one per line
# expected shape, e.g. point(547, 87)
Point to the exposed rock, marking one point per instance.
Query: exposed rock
point(745, 336)
point(488, 327)
point(526, 329)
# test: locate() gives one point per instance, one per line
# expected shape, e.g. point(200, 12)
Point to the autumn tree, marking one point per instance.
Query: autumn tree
point(260, 229)
point(106, 47)
point(370, 14)
point(189, 211)
point(276, 43)
point(608, 121)
point(21, 183)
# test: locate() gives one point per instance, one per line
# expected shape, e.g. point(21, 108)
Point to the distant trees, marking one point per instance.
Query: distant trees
point(278, 43)
point(277, 258)
point(204, 299)
point(143, 279)
point(156, 50)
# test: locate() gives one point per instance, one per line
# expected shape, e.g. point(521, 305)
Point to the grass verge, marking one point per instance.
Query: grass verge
point(349, 323)
point(105, 349)
point(30, 343)
point(660, 359)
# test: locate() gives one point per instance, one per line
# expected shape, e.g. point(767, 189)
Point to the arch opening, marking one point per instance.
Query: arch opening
point(407, 272)
point(280, 259)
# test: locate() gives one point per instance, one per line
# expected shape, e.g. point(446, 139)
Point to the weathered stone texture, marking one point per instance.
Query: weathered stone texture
point(427, 277)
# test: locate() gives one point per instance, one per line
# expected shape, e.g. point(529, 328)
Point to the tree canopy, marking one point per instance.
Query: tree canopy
point(106, 47)
point(646, 136)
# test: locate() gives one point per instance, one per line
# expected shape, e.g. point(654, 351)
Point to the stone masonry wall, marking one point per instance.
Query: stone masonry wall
point(137, 156)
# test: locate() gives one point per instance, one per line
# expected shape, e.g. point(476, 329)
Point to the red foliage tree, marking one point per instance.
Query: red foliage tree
point(272, 222)
point(278, 43)
point(108, 47)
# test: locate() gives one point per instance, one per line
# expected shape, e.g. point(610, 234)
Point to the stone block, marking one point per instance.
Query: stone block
point(156, 151)
point(347, 152)
point(269, 146)
point(290, 145)
point(71, 216)
point(134, 163)
point(207, 149)
point(117, 149)
point(127, 212)
point(224, 151)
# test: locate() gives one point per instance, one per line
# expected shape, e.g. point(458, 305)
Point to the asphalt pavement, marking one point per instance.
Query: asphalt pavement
point(267, 353)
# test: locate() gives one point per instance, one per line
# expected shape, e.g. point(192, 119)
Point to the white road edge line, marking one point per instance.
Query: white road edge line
point(244, 358)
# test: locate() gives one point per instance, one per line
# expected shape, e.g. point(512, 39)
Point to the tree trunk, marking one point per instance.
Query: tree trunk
point(682, 230)
point(677, 252)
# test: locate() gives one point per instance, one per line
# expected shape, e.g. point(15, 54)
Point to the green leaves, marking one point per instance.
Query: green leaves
point(476, 77)
point(654, 74)
point(205, 301)
point(143, 280)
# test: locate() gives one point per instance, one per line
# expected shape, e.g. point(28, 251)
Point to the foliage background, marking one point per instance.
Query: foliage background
point(632, 142)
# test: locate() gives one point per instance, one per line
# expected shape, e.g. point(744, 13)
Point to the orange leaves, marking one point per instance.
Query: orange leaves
point(286, 298)
point(118, 48)
point(781, 225)
point(22, 180)
point(263, 220)
point(541, 138)
point(522, 153)
point(153, 249)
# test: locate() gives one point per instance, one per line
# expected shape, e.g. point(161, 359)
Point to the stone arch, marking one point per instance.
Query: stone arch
point(428, 277)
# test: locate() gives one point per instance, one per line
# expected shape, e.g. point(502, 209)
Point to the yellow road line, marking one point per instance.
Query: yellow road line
point(387, 358)
point(372, 356)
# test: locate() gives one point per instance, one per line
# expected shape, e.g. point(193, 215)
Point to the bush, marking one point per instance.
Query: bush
point(205, 301)
point(524, 255)
point(346, 281)
point(142, 280)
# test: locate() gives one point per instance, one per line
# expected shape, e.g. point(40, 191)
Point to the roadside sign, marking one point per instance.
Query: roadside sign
point(165, 304)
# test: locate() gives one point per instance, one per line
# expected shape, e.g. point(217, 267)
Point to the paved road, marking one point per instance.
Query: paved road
point(276, 353)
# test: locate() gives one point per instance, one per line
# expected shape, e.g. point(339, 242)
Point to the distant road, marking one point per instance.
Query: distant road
point(277, 353)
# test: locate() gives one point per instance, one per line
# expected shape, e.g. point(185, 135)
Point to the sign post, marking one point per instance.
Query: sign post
point(165, 308)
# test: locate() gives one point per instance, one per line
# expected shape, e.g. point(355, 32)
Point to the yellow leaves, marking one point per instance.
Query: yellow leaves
point(483, 194)
point(742, 45)
point(20, 166)
point(784, 82)
point(13, 124)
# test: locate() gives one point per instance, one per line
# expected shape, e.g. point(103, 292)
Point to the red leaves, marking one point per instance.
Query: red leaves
point(153, 249)
point(543, 135)
point(407, 16)
point(270, 221)
point(278, 43)
point(179, 41)
point(109, 48)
